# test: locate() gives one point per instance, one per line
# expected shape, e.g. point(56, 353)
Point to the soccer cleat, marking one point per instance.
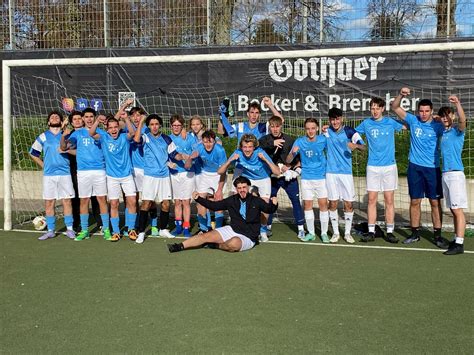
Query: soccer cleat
point(263, 237)
point(177, 231)
point(132, 234)
point(84, 234)
point(154, 232)
point(186, 233)
point(441, 242)
point(140, 238)
point(269, 232)
point(173, 248)
point(324, 238)
point(308, 238)
point(454, 249)
point(107, 234)
point(335, 238)
point(390, 238)
point(348, 238)
point(47, 235)
point(166, 233)
point(115, 237)
point(412, 239)
point(300, 235)
point(70, 234)
point(369, 237)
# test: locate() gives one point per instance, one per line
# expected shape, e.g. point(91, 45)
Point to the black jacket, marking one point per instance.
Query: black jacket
point(250, 226)
point(278, 155)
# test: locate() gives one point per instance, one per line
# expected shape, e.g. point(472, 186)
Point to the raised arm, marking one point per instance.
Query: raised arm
point(130, 128)
point(400, 112)
point(138, 133)
point(93, 129)
point(63, 143)
point(223, 169)
point(460, 111)
point(269, 103)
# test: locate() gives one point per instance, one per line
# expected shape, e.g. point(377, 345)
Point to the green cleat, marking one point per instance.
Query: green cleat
point(154, 232)
point(84, 234)
point(308, 237)
point(325, 238)
point(107, 234)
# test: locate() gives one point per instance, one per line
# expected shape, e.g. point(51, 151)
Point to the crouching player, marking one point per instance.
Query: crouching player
point(257, 166)
point(243, 231)
point(118, 167)
point(57, 183)
point(453, 178)
point(311, 149)
point(158, 148)
point(209, 156)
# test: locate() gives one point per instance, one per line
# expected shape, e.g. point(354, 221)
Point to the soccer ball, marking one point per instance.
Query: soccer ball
point(39, 223)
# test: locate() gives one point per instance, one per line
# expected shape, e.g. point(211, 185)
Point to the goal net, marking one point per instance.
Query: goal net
point(301, 83)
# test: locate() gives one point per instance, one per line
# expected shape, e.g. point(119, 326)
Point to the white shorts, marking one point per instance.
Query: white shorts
point(207, 182)
point(91, 183)
point(156, 189)
point(454, 189)
point(264, 187)
point(340, 187)
point(313, 188)
point(227, 233)
point(382, 178)
point(138, 177)
point(182, 185)
point(116, 185)
point(57, 187)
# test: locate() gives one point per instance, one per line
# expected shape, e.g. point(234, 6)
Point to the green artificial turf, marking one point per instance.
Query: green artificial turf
point(60, 296)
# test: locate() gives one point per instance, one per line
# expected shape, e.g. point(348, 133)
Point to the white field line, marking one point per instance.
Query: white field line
point(363, 246)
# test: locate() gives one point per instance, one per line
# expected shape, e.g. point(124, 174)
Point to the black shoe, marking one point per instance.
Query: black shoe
point(454, 249)
point(369, 237)
point(412, 239)
point(391, 238)
point(173, 248)
point(200, 232)
point(441, 242)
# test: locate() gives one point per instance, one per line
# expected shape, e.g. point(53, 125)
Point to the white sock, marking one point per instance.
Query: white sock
point(309, 217)
point(324, 219)
point(348, 222)
point(390, 227)
point(300, 227)
point(459, 240)
point(371, 228)
point(334, 217)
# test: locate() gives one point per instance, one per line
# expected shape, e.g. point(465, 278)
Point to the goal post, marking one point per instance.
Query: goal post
point(278, 72)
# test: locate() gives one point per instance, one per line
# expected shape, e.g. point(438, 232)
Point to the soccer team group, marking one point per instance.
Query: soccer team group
point(131, 157)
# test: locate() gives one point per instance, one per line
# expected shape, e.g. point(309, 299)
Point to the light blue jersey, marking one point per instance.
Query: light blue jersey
point(380, 136)
point(451, 149)
point(210, 161)
point(117, 155)
point(242, 128)
point(424, 141)
point(55, 163)
point(312, 155)
point(157, 153)
point(339, 159)
point(88, 150)
point(253, 167)
point(136, 149)
point(183, 146)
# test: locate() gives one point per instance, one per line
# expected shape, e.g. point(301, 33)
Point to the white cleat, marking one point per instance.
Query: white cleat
point(165, 233)
point(335, 238)
point(263, 237)
point(140, 238)
point(348, 238)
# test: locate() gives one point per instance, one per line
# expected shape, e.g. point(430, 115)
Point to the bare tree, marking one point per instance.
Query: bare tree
point(266, 33)
point(221, 14)
point(390, 19)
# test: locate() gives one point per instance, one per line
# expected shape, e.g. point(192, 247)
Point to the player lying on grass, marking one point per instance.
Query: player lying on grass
point(244, 212)
point(453, 178)
point(57, 183)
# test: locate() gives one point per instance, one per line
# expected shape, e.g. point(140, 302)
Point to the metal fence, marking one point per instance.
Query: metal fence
point(47, 24)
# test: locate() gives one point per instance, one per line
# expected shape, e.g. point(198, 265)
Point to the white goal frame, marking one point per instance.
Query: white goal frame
point(7, 65)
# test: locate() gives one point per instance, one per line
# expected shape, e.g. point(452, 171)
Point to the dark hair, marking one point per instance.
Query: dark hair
point(137, 109)
point(74, 113)
point(311, 120)
point(425, 102)
point(254, 105)
point(153, 116)
point(61, 117)
point(241, 180)
point(377, 101)
point(177, 117)
point(111, 119)
point(334, 112)
point(275, 120)
point(444, 111)
point(89, 109)
point(209, 134)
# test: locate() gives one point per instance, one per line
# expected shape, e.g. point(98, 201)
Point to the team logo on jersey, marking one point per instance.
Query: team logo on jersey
point(309, 153)
point(418, 132)
point(111, 147)
point(374, 133)
point(86, 141)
